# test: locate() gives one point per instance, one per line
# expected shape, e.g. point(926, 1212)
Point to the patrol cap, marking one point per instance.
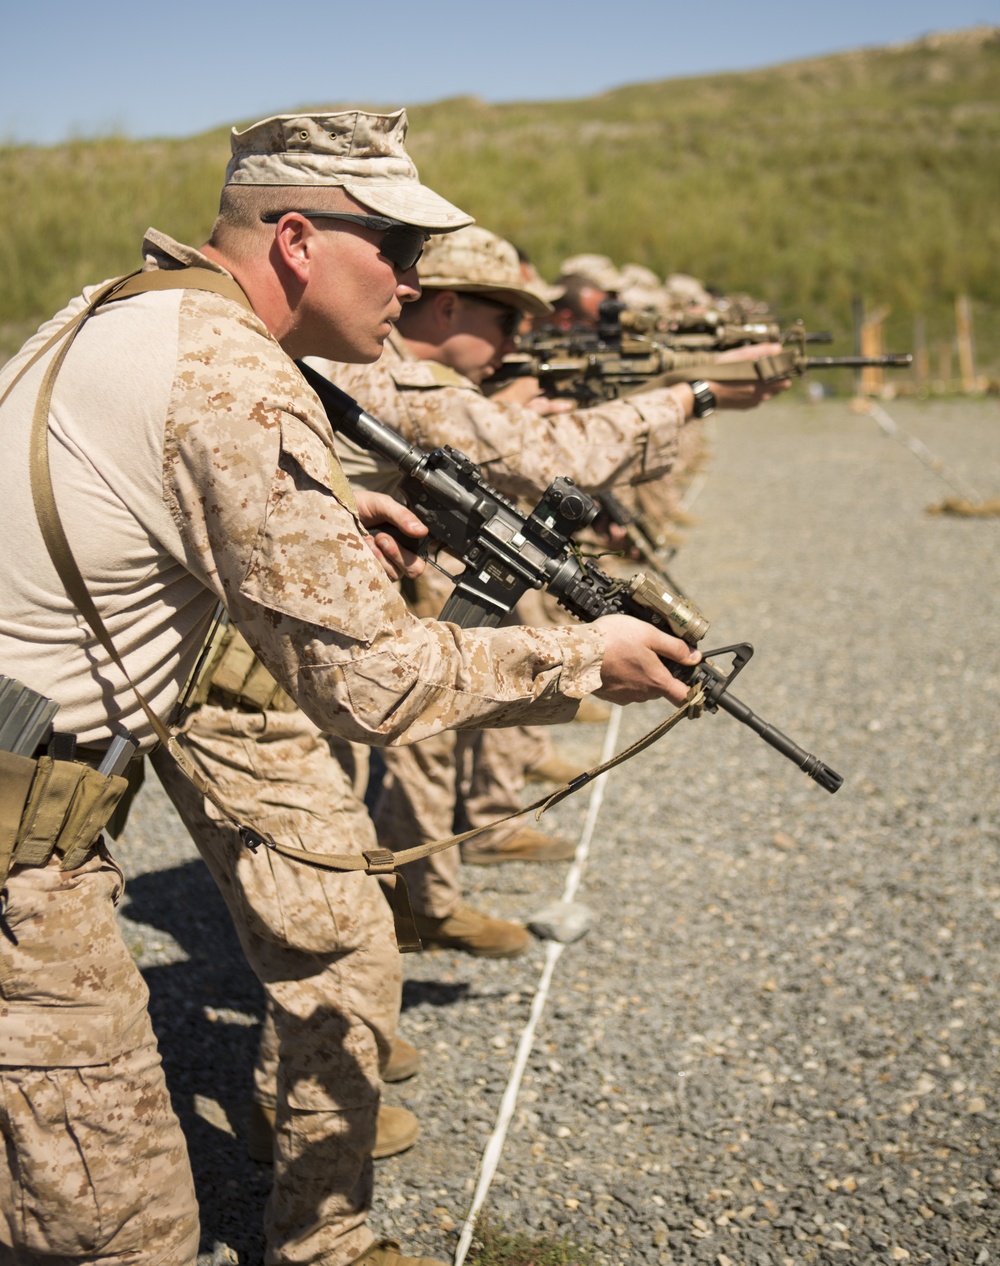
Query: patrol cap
point(477, 260)
point(358, 151)
point(597, 269)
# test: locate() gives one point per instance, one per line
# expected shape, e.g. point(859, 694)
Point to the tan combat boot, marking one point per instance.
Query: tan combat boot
point(404, 1061)
point(592, 711)
point(525, 845)
point(475, 933)
point(386, 1253)
point(554, 768)
point(396, 1131)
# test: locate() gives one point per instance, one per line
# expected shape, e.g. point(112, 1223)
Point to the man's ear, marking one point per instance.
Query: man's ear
point(445, 306)
point(295, 241)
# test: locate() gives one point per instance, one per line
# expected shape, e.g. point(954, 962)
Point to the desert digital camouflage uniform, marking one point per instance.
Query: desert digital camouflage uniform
point(192, 465)
point(521, 452)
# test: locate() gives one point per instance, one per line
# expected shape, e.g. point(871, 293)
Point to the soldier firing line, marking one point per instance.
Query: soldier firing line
point(163, 454)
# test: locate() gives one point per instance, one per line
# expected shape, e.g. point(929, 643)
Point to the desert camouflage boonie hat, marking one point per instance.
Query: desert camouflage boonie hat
point(639, 276)
point(643, 289)
point(354, 149)
point(687, 291)
point(599, 270)
point(475, 259)
point(536, 282)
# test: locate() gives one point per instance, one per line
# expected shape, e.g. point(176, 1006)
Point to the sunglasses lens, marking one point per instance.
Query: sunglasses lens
point(403, 245)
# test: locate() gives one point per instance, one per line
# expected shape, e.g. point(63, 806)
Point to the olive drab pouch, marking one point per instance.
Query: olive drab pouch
point(67, 807)
point(64, 806)
point(233, 676)
point(16, 776)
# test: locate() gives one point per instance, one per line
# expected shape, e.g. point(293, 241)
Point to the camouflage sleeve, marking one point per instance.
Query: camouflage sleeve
point(521, 451)
point(252, 483)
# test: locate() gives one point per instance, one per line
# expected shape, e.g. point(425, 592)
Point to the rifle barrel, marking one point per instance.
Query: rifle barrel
point(895, 360)
point(817, 770)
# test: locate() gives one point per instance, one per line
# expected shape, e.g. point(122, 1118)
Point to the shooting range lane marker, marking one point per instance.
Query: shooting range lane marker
point(553, 952)
point(917, 447)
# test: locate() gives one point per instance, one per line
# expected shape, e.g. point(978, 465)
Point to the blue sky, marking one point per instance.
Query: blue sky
point(85, 69)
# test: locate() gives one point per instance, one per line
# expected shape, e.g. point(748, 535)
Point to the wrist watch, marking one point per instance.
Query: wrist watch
point(704, 398)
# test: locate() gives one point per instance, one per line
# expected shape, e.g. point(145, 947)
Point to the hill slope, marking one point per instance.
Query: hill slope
point(873, 172)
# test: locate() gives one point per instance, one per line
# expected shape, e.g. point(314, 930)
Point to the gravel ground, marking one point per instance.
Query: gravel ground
point(779, 1043)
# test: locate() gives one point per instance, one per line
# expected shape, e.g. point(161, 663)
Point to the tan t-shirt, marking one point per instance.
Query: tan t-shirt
point(191, 463)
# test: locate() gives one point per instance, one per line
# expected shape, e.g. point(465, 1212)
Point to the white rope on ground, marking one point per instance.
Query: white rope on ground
point(553, 952)
point(918, 448)
point(693, 491)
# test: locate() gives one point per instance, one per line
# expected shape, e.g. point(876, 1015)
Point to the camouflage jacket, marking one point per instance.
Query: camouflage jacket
point(191, 463)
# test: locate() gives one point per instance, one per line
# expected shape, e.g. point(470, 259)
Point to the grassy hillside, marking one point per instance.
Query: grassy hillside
point(874, 173)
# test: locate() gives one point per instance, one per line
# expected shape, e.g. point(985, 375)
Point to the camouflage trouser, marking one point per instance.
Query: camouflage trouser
point(424, 790)
point(322, 944)
point(97, 1167)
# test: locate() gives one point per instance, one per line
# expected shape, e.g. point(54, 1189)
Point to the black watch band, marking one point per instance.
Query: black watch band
point(704, 398)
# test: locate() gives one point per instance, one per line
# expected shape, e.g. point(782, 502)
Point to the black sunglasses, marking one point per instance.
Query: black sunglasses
point(510, 322)
point(402, 244)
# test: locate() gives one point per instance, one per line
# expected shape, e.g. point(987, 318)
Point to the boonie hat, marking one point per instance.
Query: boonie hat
point(640, 276)
point(477, 260)
point(536, 282)
point(688, 291)
point(354, 149)
point(643, 289)
point(597, 269)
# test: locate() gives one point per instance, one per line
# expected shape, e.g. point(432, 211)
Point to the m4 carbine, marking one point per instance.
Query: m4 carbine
point(714, 331)
point(507, 552)
point(616, 360)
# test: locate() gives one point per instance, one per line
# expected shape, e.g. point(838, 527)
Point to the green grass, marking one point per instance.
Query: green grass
point(493, 1245)
point(874, 173)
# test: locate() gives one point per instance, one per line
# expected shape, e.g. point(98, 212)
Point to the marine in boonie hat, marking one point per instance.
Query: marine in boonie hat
point(474, 259)
point(358, 151)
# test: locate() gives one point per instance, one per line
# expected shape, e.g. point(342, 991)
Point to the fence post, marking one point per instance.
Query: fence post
point(963, 335)
point(873, 344)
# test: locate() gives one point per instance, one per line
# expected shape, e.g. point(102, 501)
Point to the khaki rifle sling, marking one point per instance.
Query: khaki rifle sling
point(372, 861)
point(50, 523)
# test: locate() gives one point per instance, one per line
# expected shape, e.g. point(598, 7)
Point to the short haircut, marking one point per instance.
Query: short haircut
point(238, 226)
